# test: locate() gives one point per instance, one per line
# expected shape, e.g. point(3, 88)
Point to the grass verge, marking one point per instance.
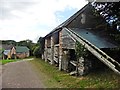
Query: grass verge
point(7, 61)
point(58, 79)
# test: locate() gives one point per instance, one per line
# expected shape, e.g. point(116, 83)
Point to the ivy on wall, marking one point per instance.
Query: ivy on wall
point(80, 50)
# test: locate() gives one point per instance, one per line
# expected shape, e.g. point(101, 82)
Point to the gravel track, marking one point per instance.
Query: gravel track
point(20, 75)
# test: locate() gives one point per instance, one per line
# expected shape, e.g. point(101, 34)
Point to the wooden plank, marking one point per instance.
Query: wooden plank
point(56, 59)
point(56, 45)
point(74, 63)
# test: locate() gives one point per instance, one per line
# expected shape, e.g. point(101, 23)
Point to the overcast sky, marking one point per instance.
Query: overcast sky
point(30, 19)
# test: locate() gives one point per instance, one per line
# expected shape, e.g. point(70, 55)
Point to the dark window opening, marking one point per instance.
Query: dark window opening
point(56, 38)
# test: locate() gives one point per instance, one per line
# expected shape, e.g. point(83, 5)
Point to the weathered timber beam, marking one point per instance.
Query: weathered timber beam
point(74, 63)
point(56, 60)
point(111, 63)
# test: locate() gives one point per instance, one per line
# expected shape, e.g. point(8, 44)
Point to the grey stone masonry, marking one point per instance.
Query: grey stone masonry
point(84, 66)
point(45, 50)
point(60, 51)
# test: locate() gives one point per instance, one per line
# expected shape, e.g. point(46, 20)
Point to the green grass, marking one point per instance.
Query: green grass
point(7, 61)
point(58, 79)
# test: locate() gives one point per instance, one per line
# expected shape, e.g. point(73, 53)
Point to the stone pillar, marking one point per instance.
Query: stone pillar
point(84, 66)
point(65, 62)
point(80, 66)
point(60, 50)
point(52, 50)
point(45, 50)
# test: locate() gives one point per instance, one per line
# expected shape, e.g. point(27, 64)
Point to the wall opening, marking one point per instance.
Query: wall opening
point(56, 38)
point(72, 57)
point(49, 42)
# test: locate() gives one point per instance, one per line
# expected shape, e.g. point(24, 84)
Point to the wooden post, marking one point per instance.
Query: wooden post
point(60, 50)
point(52, 50)
point(45, 50)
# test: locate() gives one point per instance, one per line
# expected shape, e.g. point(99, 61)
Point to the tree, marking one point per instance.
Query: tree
point(41, 42)
point(110, 11)
point(9, 42)
point(37, 52)
point(38, 48)
point(27, 43)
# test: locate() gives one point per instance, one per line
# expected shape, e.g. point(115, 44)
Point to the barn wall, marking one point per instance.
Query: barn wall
point(67, 41)
point(21, 55)
point(87, 19)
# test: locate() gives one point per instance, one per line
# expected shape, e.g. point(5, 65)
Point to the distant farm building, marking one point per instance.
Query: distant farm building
point(0, 51)
point(13, 52)
point(22, 52)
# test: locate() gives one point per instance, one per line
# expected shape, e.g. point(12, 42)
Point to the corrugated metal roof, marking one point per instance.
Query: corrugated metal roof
point(20, 49)
point(95, 38)
point(6, 52)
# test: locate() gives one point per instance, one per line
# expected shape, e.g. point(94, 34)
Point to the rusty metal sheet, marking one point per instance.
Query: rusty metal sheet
point(95, 38)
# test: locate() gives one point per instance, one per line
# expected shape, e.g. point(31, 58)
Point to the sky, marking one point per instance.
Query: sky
point(31, 19)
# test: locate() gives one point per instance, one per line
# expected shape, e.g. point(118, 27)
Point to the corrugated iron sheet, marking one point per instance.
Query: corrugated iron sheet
point(95, 38)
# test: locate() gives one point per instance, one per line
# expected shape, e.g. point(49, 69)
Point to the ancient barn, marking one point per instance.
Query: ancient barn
point(91, 32)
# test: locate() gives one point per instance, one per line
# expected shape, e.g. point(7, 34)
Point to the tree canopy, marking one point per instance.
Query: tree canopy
point(110, 11)
point(39, 48)
point(27, 43)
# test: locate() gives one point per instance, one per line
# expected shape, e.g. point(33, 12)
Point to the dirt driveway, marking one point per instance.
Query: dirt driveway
point(20, 75)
